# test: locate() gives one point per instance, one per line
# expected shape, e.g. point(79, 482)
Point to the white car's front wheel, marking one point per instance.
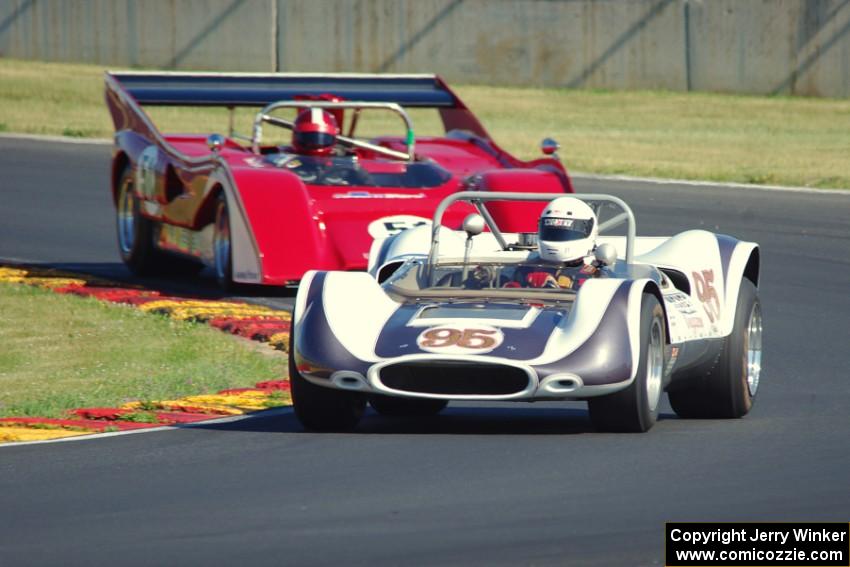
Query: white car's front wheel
point(319, 408)
point(635, 409)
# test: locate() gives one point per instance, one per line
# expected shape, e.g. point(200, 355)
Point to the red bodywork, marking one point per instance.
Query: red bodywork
point(291, 226)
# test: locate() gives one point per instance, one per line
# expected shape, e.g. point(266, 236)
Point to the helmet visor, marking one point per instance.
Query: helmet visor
point(555, 229)
point(313, 140)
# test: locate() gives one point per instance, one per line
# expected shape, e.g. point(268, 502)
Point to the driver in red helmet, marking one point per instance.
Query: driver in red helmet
point(312, 156)
point(314, 132)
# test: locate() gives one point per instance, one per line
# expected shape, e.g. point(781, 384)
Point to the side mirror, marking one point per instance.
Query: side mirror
point(473, 225)
point(215, 142)
point(606, 254)
point(549, 146)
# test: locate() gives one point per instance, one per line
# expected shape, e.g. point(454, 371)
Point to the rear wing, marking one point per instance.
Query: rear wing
point(251, 89)
point(261, 89)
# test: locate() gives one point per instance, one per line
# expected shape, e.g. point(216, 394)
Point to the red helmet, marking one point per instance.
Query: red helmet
point(314, 132)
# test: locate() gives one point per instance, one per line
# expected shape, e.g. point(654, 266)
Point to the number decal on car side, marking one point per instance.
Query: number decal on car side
point(387, 226)
point(707, 294)
point(451, 339)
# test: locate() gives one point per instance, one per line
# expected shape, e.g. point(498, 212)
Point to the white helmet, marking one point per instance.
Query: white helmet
point(567, 230)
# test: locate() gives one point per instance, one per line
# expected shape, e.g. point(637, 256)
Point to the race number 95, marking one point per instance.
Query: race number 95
point(707, 294)
point(460, 340)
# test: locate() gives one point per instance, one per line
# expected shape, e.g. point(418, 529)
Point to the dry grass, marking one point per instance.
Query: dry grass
point(783, 140)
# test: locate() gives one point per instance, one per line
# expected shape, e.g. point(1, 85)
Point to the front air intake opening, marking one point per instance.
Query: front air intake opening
point(454, 378)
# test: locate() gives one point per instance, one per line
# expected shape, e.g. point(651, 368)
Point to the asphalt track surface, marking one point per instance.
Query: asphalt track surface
point(482, 484)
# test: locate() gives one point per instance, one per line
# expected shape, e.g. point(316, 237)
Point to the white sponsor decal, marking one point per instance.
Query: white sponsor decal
point(387, 226)
point(368, 195)
point(685, 320)
point(254, 162)
point(456, 339)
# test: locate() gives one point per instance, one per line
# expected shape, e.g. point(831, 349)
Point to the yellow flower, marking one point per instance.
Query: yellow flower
point(280, 341)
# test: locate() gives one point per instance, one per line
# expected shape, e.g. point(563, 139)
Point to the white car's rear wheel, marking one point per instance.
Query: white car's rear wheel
point(729, 389)
point(635, 409)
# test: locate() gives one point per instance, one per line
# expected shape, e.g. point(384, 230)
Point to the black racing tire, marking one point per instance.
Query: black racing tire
point(135, 232)
point(635, 409)
point(406, 407)
point(728, 391)
point(323, 409)
point(223, 245)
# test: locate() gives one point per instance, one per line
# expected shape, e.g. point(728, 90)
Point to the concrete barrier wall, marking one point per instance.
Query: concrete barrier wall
point(751, 46)
point(771, 46)
point(619, 44)
point(180, 34)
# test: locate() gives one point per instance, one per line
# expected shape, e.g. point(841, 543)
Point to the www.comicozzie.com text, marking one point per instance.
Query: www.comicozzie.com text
point(743, 534)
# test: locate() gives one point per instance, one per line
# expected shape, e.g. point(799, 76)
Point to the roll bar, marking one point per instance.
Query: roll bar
point(479, 198)
point(264, 116)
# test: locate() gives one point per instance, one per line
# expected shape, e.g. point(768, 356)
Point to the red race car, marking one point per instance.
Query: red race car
point(260, 212)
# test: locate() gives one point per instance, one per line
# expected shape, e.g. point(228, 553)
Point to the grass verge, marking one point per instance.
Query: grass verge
point(750, 139)
point(59, 352)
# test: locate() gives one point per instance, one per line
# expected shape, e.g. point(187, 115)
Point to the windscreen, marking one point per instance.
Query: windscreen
point(347, 171)
point(504, 312)
point(525, 275)
point(485, 281)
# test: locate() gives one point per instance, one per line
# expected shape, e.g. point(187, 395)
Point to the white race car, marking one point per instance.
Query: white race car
point(446, 315)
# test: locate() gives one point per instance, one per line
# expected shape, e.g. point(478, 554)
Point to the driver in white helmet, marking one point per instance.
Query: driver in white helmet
point(566, 238)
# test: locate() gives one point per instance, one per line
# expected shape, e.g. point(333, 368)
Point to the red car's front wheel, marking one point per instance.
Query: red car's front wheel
point(222, 247)
point(135, 232)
